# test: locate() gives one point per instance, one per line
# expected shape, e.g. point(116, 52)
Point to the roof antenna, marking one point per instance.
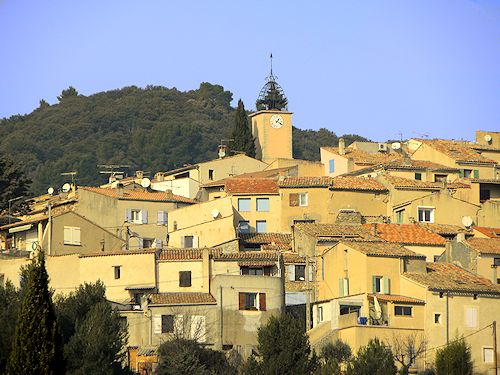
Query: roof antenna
point(271, 63)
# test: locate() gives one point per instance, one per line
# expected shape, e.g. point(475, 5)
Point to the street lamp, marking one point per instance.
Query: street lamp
point(10, 203)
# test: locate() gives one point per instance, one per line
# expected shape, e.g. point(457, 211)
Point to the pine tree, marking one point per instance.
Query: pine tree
point(37, 346)
point(13, 184)
point(242, 135)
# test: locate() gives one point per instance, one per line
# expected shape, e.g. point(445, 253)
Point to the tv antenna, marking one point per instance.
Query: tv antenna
point(111, 169)
point(72, 174)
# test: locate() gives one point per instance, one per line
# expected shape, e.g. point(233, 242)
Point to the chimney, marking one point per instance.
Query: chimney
point(341, 146)
point(374, 229)
point(160, 177)
point(139, 174)
point(460, 237)
point(119, 189)
point(222, 151)
point(169, 194)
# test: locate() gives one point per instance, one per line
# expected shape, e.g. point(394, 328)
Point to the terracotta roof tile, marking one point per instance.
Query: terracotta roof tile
point(268, 173)
point(291, 257)
point(484, 245)
point(383, 249)
point(181, 254)
point(408, 234)
point(397, 299)
point(489, 232)
point(272, 256)
point(119, 253)
point(174, 254)
point(408, 183)
point(444, 229)
point(266, 238)
point(251, 186)
point(366, 158)
point(459, 151)
point(138, 195)
point(297, 182)
point(449, 277)
point(337, 231)
point(356, 183)
point(418, 164)
point(181, 299)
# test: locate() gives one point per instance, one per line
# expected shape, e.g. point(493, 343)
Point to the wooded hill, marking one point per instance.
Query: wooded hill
point(152, 129)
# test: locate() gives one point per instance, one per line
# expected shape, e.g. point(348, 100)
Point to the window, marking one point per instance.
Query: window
point(136, 216)
point(244, 204)
point(496, 262)
point(488, 354)
point(467, 173)
point(167, 323)
point(117, 270)
point(331, 166)
point(72, 236)
point(437, 318)
point(210, 174)
point(426, 214)
point(470, 317)
point(263, 204)
point(440, 177)
point(484, 195)
point(303, 199)
point(255, 271)
point(320, 314)
point(400, 216)
point(377, 284)
point(418, 176)
point(261, 226)
point(244, 226)
point(148, 243)
point(252, 301)
point(184, 278)
point(307, 221)
point(162, 218)
point(436, 258)
point(402, 310)
point(300, 273)
point(188, 241)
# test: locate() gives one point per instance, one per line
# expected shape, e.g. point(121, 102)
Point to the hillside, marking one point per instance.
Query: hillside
point(153, 128)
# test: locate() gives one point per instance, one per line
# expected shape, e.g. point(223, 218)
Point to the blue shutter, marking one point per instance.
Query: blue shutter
point(128, 215)
point(331, 166)
point(158, 243)
point(387, 285)
point(462, 173)
point(160, 220)
point(144, 216)
point(165, 217)
point(476, 173)
point(374, 284)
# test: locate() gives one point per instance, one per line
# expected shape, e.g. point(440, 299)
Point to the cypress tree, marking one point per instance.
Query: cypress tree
point(37, 346)
point(242, 135)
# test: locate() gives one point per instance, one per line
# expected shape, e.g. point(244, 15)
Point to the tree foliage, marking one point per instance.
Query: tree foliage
point(242, 134)
point(455, 358)
point(284, 347)
point(70, 92)
point(37, 346)
point(182, 356)
point(372, 359)
point(13, 183)
point(10, 301)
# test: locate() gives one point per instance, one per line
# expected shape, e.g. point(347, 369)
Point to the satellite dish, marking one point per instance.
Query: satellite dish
point(396, 146)
point(215, 212)
point(50, 190)
point(467, 221)
point(66, 187)
point(145, 182)
point(487, 138)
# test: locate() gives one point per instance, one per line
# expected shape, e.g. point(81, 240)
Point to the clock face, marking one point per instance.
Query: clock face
point(276, 121)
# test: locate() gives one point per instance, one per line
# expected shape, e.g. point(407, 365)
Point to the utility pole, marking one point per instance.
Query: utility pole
point(10, 204)
point(495, 356)
point(221, 321)
point(50, 228)
point(127, 237)
point(308, 296)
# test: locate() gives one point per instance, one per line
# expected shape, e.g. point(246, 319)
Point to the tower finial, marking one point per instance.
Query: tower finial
point(271, 63)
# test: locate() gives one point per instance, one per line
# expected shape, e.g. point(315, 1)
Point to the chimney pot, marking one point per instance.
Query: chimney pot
point(341, 146)
point(374, 229)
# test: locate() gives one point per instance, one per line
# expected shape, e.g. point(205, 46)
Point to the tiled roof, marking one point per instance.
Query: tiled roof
point(485, 181)
point(266, 238)
point(383, 249)
point(297, 182)
point(356, 183)
point(489, 232)
point(484, 245)
point(181, 254)
point(459, 151)
point(339, 231)
point(181, 299)
point(250, 255)
point(444, 229)
point(251, 186)
point(397, 299)
point(24, 222)
point(365, 158)
point(449, 277)
point(138, 195)
point(268, 173)
point(173, 254)
point(408, 234)
point(120, 253)
point(408, 183)
point(276, 247)
point(418, 165)
point(290, 257)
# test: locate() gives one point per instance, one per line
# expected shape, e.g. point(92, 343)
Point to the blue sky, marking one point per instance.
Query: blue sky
point(374, 68)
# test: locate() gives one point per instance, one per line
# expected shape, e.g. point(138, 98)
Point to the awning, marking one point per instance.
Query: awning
point(22, 228)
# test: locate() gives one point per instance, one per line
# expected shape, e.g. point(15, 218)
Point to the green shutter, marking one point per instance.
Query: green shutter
point(341, 287)
point(374, 284)
point(387, 285)
point(476, 173)
point(462, 173)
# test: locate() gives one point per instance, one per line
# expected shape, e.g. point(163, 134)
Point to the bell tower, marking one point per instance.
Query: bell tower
point(272, 123)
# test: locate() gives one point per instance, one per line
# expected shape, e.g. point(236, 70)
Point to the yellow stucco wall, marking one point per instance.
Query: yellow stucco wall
point(272, 143)
point(168, 276)
point(272, 217)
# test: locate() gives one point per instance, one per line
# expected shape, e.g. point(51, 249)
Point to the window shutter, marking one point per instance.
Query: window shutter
point(462, 173)
point(183, 241)
point(195, 242)
point(179, 325)
point(262, 301)
point(294, 200)
point(158, 243)
point(140, 243)
point(291, 272)
point(67, 235)
point(165, 217)
point(310, 273)
point(341, 287)
point(157, 324)
point(128, 215)
point(76, 236)
point(374, 284)
point(244, 270)
point(144, 214)
point(476, 173)
point(242, 301)
point(387, 285)
point(160, 220)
